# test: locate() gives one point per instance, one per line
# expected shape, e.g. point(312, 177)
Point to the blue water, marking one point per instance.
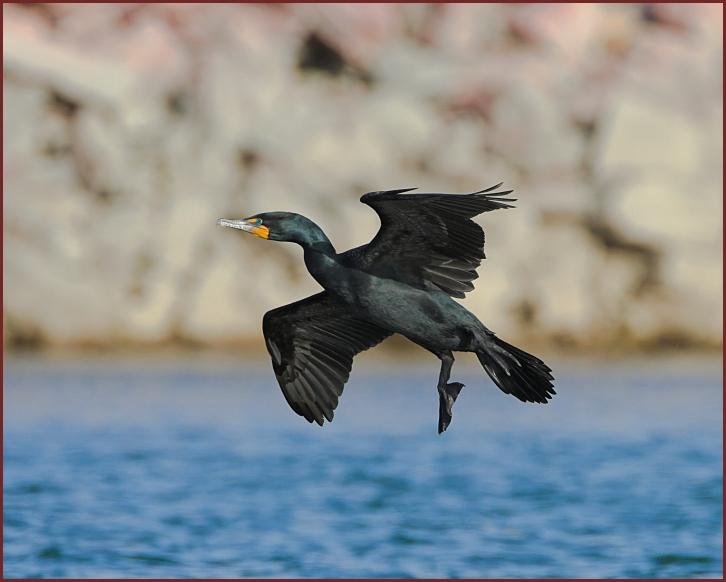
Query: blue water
point(199, 469)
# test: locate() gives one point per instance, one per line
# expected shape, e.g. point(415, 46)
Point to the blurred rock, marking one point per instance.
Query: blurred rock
point(129, 129)
point(634, 134)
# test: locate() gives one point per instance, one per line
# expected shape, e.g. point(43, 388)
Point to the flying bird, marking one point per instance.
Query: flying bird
point(426, 252)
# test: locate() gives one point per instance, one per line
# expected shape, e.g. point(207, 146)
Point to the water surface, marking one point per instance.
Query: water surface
point(189, 469)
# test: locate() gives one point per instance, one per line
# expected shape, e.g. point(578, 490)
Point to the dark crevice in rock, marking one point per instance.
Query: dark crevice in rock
point(672, 340)
point(104, 195)
point(68, 108)
point(63, 105)
point(600, 229)
point(86, 176)
point(177, 103)
point(615, 242)
point(564, 341)
point(136, 290)
point(248, 159)
point(318, 55)
point(612, 240)
point(587, 127)
point(22, 338)
point(56, 150)
point(525, 312)
point(177, 337)
point(656, 16)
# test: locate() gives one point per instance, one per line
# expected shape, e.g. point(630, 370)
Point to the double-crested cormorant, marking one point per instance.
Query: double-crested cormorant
point(426, 252)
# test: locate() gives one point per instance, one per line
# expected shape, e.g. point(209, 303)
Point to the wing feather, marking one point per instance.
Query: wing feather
point(428, 239)
point(312, 343)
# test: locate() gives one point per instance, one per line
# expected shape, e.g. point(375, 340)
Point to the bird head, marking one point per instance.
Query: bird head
point(281, 226)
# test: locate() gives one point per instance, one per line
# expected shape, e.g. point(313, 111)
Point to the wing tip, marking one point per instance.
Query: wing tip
point(495, 198)
point(490, 188)
point(378, 193)
point(488, 193)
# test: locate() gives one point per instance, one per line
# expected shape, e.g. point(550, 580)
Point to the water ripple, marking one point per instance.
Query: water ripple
point(192, 492)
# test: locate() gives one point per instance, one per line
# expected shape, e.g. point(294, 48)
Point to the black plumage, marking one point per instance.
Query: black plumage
point(426, 252)
point(312, 343)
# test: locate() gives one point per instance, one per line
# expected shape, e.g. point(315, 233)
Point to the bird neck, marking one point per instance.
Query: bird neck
point(320, 256)
point(321, 261)
point(313, 240)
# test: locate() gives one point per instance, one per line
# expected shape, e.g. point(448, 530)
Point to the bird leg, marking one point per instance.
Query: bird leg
point(447, 391)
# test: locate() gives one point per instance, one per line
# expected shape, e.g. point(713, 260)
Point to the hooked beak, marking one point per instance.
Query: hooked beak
point(251, 225)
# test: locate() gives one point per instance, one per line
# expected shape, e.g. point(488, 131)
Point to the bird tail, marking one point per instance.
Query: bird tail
point(515, 371)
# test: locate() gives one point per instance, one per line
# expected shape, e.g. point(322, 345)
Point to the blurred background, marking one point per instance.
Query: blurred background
point(144, 432)
point(130, 129)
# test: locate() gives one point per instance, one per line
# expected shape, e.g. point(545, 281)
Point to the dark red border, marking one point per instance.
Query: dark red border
point(2, 363)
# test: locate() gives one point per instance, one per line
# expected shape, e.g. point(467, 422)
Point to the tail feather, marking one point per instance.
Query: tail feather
point(516, 372)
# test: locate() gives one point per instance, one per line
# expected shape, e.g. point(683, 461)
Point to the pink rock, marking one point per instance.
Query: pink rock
point(567, 27)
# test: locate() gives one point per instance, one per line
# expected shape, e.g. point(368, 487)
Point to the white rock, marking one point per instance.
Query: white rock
point(641, 136)
point(668, 212)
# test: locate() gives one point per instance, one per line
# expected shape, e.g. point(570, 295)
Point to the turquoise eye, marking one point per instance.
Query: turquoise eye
point(258, 221)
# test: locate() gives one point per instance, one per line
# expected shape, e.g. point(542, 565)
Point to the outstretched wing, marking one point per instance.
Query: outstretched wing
point(312, 343)
point(428, 240)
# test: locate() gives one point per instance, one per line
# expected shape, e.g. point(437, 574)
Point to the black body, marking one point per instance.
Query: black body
point(426, 252)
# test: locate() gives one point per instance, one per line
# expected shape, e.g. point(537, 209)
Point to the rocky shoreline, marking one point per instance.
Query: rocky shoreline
point(129, 129)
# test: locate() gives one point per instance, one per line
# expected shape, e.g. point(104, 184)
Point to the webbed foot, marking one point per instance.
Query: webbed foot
point(447, 397)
